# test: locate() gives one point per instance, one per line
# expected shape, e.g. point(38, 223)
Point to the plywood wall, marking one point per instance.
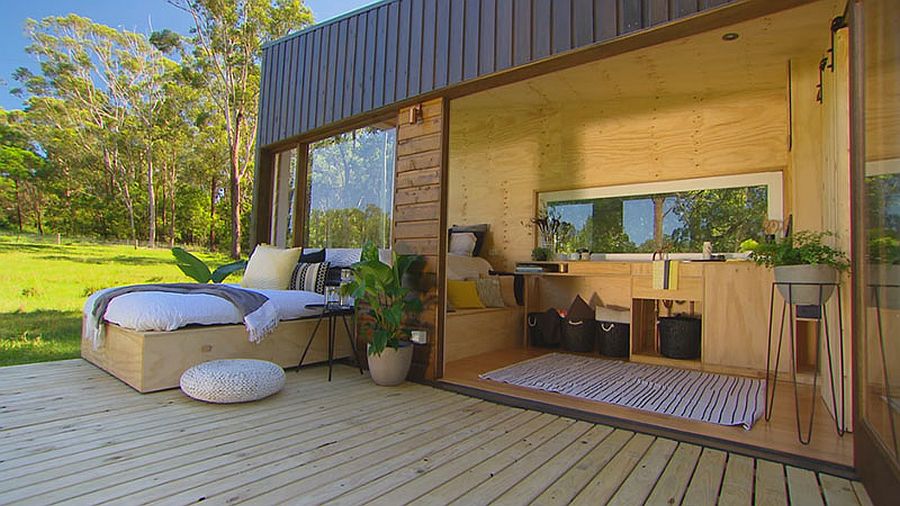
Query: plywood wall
point(500, 158)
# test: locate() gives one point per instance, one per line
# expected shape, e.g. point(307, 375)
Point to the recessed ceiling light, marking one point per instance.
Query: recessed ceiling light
point(730, 36)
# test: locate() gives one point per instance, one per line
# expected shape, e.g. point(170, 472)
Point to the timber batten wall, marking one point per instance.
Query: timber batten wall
point(400, 49)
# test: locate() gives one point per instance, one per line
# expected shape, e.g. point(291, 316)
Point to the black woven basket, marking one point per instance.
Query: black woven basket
point(679, 337)
point(545, 329)
point(578, 335)
point(612, 339)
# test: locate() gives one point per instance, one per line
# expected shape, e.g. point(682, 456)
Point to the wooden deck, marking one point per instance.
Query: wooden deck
point(70, 433)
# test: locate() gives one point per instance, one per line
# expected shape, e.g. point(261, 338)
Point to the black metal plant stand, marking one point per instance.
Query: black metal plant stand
point(876, 296)
point(332, 312)
point(789, 309)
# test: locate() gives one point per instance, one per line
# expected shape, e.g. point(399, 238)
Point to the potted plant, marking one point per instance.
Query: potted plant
point(390, 303)
point(804, 260)
point(884, 270)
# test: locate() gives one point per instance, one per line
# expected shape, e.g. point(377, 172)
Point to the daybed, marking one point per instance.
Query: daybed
point(498, 328)
point(151, 338)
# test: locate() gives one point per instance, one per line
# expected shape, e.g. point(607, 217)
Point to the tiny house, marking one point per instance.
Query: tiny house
point(642, 126)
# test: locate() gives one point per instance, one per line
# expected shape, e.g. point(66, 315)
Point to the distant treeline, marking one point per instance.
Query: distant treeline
point(147, 138)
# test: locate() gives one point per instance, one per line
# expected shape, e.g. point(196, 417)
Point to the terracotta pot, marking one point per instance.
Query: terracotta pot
point(391, 366)
point(806, 295)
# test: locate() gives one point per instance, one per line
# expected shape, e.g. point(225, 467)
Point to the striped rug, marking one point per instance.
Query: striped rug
point(715, 398)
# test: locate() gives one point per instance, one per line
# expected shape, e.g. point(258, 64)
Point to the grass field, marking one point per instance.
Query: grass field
point(43, 287)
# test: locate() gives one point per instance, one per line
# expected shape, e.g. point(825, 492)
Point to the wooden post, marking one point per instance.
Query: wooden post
point(420, 217)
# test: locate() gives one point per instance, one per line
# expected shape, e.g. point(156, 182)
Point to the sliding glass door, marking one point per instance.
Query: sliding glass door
point(876, 222)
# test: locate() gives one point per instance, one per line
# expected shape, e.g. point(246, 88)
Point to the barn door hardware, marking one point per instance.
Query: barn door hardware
point(823, 63)
point(836, 24)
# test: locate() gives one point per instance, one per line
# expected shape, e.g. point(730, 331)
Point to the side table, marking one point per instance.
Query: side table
point(332, 312)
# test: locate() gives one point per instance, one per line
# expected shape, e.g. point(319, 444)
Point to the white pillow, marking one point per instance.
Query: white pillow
point(270, 268)
point(462, 244)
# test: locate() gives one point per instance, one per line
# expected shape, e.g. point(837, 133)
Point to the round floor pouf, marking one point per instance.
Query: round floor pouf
point(228, 381)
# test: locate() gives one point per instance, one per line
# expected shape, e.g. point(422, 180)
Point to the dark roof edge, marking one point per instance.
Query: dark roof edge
point(371, 6)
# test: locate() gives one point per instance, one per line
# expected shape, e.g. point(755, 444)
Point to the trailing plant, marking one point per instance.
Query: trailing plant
point(800, 248)
point(381, 287)
point(197, 269)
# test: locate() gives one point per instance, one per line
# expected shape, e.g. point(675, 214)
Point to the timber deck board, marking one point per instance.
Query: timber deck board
point(71, 434)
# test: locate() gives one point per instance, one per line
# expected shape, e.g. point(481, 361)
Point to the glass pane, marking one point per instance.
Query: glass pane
point(680, 222)
point(284, 180)
point(882, 221)
point(351, 189)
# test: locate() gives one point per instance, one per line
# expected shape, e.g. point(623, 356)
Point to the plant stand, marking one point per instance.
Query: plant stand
point(876, 296)
point(332, 312)
point(822, 321)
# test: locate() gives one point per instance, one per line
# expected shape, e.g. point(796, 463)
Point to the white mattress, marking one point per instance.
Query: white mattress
point(161, 311)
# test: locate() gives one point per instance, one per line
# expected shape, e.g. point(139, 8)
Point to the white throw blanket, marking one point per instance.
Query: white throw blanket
point(257, 311)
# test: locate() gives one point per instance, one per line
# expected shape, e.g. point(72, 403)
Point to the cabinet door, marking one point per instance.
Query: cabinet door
point(736, 315)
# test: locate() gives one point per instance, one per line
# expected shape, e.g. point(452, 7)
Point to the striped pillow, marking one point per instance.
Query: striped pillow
point(309, 277)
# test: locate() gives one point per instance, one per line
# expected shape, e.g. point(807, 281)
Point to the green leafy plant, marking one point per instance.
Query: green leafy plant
point(540, 254)
point(381, 287)
point(197, 270)
point(801, 248)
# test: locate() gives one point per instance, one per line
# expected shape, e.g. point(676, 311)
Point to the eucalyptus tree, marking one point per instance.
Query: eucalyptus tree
point(227, 37)
point(104, 87)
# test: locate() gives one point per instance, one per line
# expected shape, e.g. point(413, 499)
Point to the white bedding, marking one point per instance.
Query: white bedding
point(161, 311)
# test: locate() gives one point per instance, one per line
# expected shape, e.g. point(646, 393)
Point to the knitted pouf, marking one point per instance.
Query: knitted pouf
point(237, 380)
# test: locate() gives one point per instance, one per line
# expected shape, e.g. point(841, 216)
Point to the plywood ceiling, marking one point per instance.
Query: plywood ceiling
point(702, 65)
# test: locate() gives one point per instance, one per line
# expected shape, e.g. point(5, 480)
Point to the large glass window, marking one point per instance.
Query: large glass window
point(678, 216)
point(284, 182)
point(351, 189)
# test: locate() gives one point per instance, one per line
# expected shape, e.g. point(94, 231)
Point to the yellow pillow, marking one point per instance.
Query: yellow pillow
point(270, 268)
point(463, 295)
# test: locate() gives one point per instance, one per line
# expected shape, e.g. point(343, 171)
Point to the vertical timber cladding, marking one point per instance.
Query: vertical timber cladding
point(420, 216)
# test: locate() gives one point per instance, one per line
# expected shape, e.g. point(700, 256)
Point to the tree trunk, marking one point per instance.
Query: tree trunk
point(212, 214)
point(38, 215)
point(172, 190)
point(151, 202)
point(658, 238)
point(18, 204)
point(235, 193)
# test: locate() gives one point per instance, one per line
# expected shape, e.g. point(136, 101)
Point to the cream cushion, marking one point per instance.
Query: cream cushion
point(270, 268)
point(234, 380)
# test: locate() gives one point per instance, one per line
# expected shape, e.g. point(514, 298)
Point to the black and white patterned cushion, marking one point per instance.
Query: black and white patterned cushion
point(309, 277)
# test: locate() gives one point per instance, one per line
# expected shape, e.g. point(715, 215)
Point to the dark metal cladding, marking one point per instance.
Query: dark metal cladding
point(398, 49)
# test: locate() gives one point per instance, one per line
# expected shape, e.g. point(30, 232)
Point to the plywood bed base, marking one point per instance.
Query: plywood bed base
point(151, 361)
point(475, 331)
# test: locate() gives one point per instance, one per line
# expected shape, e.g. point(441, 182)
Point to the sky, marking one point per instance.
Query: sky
point(137, 15)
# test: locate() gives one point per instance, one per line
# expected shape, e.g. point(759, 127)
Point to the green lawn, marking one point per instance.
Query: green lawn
point(43, 287)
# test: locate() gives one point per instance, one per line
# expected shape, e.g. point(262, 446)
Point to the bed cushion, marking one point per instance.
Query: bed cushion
point(309, 277)
point(462, 244)
point(463, 295)
point(489, 292)
point(270, 268)
point(462, 267)
point(233, 380)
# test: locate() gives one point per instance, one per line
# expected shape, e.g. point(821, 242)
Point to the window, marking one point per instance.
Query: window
point(351, 189)
point(284, 181)
point(677, 215)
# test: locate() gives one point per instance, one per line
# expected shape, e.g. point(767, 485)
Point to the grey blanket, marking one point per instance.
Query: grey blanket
point(257, 312)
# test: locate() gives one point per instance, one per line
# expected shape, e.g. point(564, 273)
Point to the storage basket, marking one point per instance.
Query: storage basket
point(679, 337)
point(578, 335)
point(612, 338)
point(544, 329)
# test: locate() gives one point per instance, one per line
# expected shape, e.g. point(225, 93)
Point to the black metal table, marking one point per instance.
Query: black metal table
point(332, 312)
point(790, 310)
